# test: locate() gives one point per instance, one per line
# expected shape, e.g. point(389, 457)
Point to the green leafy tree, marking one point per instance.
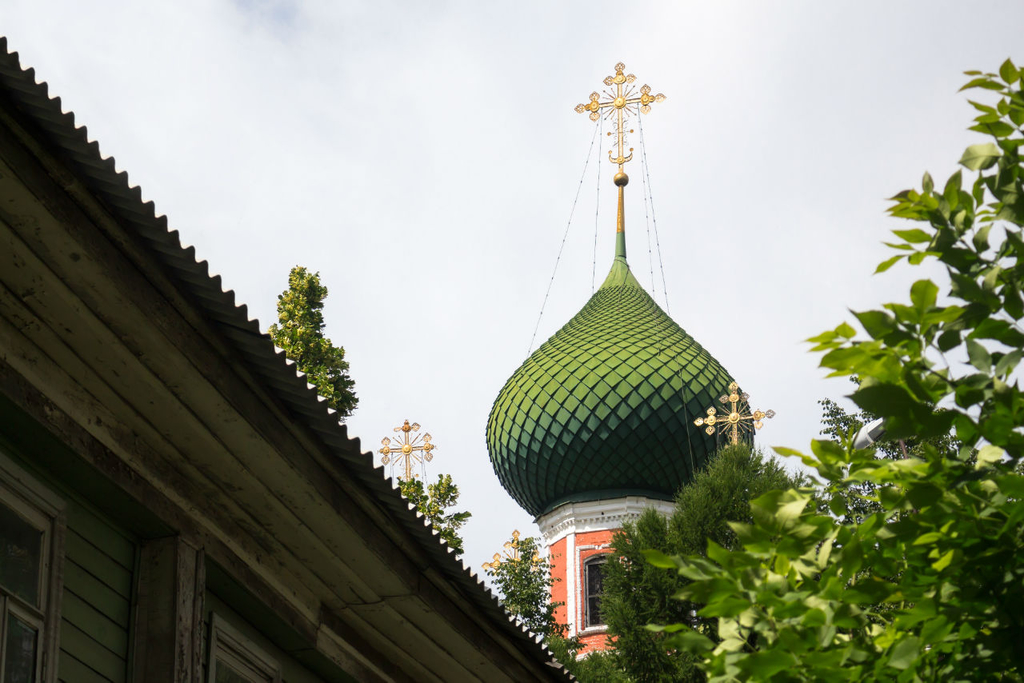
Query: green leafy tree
point(435, 502)
point(636, 593)
point(299, 330)
point(798, 601)
point(597, 667)
point(524, 582)
point(856, 498)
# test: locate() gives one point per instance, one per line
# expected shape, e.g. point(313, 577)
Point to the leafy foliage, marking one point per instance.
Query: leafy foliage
point(434, 502)
point(524, 582)
point(299, 330)
point(798, 601)
point(599, 666)
point(636, 593)
point(856, 497)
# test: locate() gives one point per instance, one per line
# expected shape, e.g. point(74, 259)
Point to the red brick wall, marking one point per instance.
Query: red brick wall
point(595, 640)
point(559, 589)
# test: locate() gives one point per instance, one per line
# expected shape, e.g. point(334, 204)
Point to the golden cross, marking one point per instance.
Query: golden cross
point(736, 420)
point(407, 449)
point(511, 553)
point(621, 103)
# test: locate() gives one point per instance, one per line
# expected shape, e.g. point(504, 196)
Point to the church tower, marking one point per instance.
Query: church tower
point(599, 422)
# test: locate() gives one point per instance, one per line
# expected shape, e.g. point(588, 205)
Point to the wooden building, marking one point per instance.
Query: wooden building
point(176, 504)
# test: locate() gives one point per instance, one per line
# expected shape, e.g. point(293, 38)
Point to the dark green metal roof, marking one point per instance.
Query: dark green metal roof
point(605, 408)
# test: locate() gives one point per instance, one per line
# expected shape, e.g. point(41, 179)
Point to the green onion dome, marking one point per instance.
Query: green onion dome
point(606, 407)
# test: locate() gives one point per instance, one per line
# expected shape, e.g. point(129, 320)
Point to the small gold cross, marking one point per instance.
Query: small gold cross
point(740, 418)
point(511, 554)
point(407, 449)
point(620, 103)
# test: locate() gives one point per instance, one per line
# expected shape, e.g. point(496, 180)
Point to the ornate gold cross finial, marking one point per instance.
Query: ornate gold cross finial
point(740, 418)
point(620, 103)
point(511, 549)
point(408, 449)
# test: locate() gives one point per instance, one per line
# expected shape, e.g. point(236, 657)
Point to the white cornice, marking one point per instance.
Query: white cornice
point(596, 515)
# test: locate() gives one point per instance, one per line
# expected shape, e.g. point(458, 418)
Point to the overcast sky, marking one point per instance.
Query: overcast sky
point(424, 157)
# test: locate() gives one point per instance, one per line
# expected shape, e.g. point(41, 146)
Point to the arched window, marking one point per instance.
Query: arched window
point(593, 580)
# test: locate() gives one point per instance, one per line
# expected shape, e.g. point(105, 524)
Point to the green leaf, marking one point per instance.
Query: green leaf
point(996, 129)
point(884, 400)
point(986, 82)
point(927, 184)
point(980, 239)
point(905, 653)
point(991, 278)
point(888, 263)
point(979, 157)
point(764, 665)
point(845, 330)
point(1008, 72)
point(1008, 362)
point(943, 561)
point(914, 235)
point(923, 294)
point(979, 356)
point(876, 323)
point(729, 606)
point(952, 189)
point(916, 258)
point(948, 340)
point(989, 454)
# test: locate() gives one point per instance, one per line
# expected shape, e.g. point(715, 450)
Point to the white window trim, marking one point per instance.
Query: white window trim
point(230, 644)
point(44, 509)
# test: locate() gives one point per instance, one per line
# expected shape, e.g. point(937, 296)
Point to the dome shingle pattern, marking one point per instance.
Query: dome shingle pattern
point(605, 408)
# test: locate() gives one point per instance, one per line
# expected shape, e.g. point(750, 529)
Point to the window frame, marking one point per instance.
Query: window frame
point(226, 640)
point(599, 559)
point(44, 510)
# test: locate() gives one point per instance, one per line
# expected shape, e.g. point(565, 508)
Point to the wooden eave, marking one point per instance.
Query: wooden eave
point(116, 338)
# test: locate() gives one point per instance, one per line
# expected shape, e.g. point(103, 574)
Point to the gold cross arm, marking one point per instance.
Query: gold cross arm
point(511, 549)
point(620, 102)
point(645, 98)
point(407, 449)
point(739, 418)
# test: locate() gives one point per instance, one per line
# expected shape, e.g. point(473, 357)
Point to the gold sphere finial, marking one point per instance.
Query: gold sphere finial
point(621, 179)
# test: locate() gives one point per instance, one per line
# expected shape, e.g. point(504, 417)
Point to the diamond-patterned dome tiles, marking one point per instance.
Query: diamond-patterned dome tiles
point(605, 408)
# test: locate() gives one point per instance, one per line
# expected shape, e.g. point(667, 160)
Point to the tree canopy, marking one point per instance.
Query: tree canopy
point(524, 582)
point(636, 593)
point(857, 497)
point(299, 331)
point(931, 585)
point(435, 502)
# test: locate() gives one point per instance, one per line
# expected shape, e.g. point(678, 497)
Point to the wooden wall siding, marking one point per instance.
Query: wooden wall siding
point(292, 671)
point(95, 613)
point(80, 318)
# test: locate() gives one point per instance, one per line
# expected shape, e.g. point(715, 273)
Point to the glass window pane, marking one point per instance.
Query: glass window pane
point(20, 551)
point(20, 662)
point(226, 674)
point(594, 581)
point(595, 571)
point(594, 612)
